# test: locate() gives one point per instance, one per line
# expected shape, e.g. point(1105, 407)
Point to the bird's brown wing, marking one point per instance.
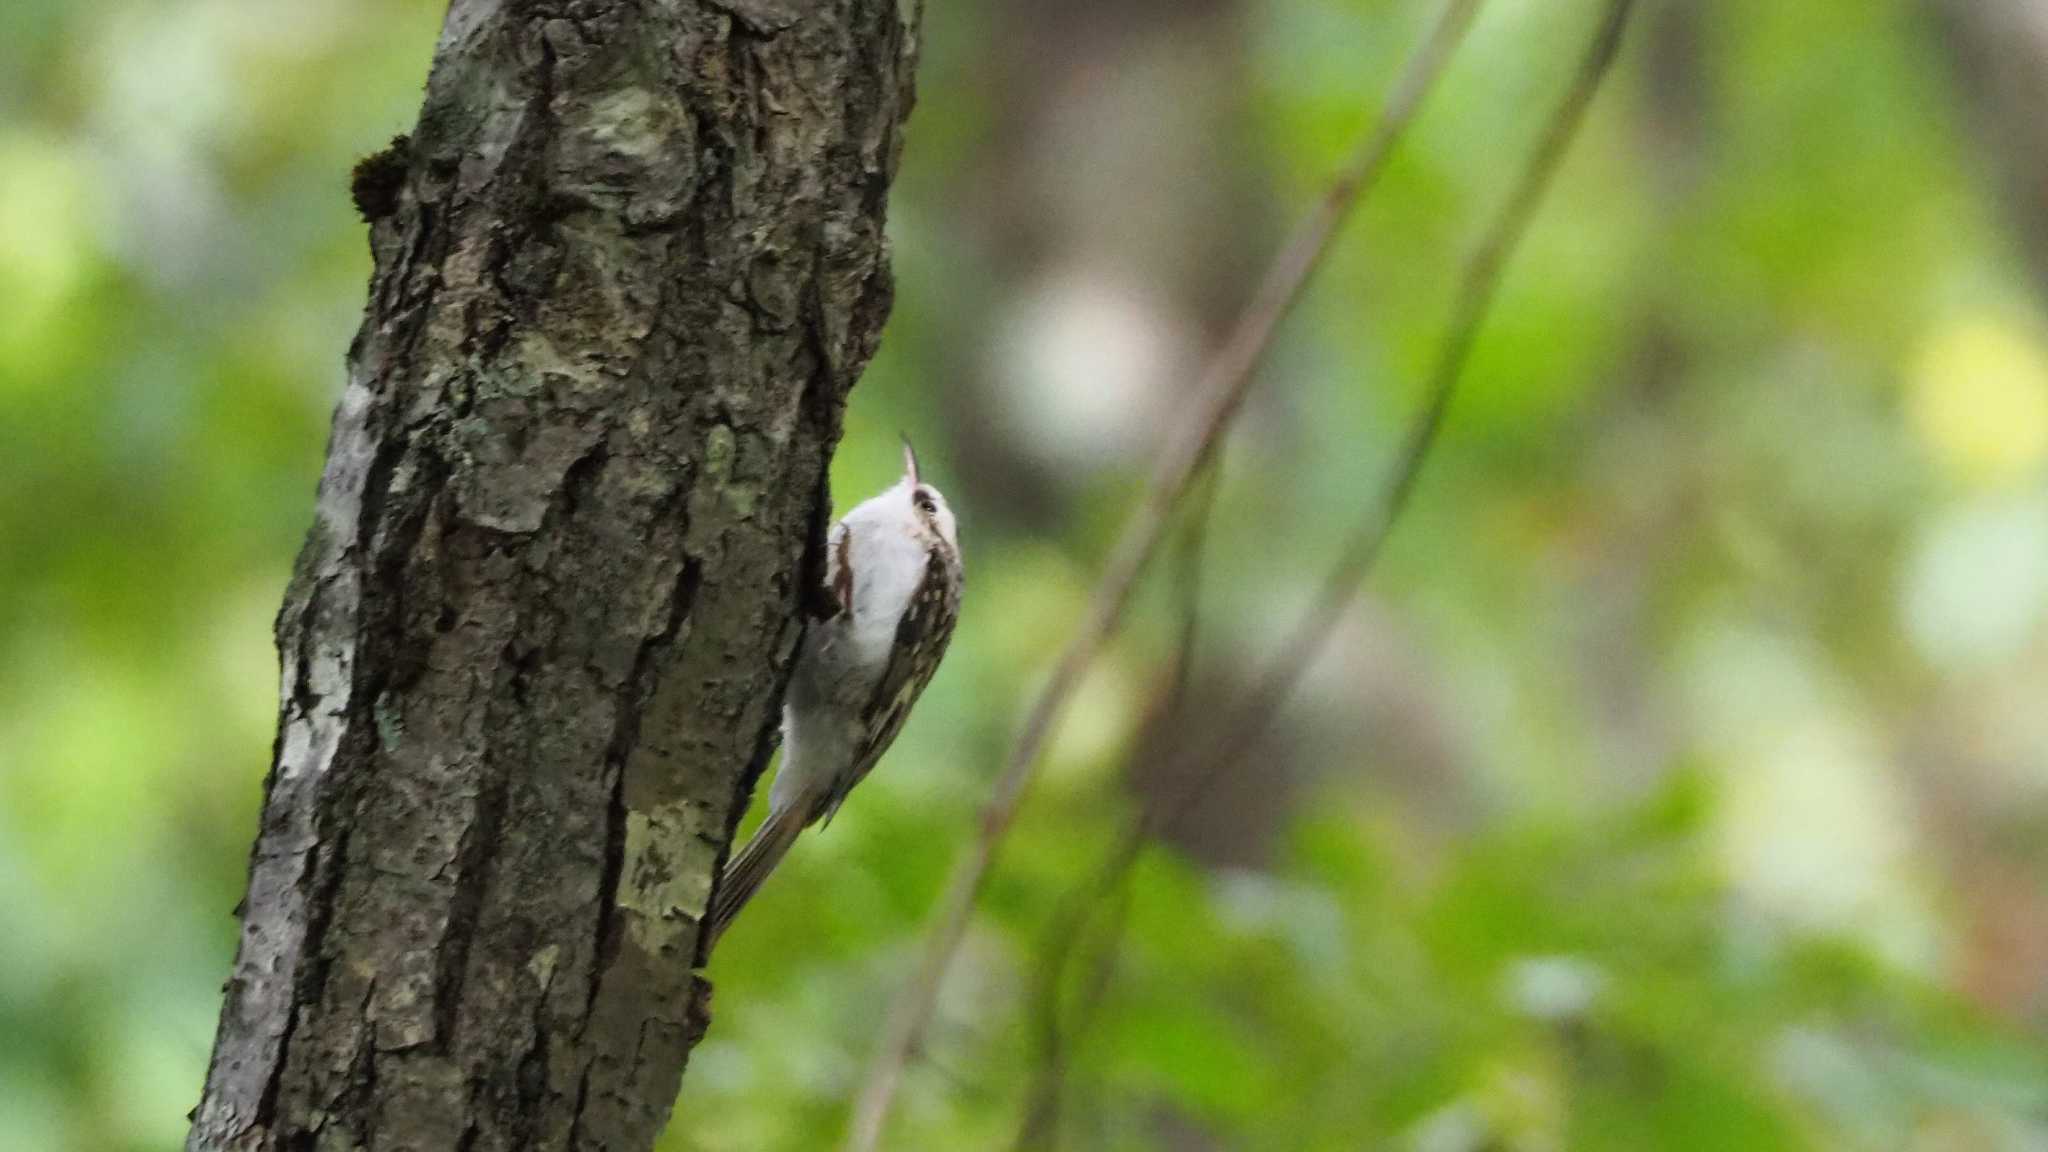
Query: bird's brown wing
point(921, 639)
point(834, 594)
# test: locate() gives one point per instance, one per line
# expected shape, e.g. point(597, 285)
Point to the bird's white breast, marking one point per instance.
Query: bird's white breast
point(842, 659)
point(889, 560)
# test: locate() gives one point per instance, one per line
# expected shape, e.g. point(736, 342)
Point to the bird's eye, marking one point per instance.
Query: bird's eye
point(923, 499)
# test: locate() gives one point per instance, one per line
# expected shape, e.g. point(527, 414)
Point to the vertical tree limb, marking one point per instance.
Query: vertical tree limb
point(627, 268)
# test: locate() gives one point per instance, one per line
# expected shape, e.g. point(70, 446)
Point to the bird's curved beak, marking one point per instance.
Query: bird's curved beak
point(909, 461)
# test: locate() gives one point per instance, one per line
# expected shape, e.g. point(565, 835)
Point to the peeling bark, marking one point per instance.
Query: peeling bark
point(628, 266)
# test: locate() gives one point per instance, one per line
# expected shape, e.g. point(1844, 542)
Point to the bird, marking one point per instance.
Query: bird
point(890, 598)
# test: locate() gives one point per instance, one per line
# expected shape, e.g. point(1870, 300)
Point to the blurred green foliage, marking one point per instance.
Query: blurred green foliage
point(1724, 605)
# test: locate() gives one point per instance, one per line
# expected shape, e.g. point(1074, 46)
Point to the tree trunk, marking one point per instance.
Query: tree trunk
point(627, 268)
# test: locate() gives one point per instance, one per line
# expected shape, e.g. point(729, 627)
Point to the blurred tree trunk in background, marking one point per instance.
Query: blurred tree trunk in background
point(1094, 209)
point(1099, 219)
point(1999, 55)
point(1644, 414)
point(627, 268)
point(1123, 217)
point(1999, 49)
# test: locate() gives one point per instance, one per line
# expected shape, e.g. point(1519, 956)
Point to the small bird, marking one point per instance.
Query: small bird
point(891, 597)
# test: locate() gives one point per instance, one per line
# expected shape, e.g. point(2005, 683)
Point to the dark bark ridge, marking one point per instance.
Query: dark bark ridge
point(627, 267)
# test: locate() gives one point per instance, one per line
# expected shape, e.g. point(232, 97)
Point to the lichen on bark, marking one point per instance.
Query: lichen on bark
point(627, 267)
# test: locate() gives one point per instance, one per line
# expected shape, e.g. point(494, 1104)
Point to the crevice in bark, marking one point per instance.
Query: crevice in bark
point(323, 874)
point(474, 857)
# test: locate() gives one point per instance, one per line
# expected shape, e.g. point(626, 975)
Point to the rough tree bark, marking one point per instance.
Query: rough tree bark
point(626, 269)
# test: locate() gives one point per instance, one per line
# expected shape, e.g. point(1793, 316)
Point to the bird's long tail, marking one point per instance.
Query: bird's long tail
point(744, 874)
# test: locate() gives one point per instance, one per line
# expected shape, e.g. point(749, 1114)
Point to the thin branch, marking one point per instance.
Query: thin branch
point(1071, 924)
point(1310, 635)
point(1048, 1091)
point(1194, 543)
point(1221, 391)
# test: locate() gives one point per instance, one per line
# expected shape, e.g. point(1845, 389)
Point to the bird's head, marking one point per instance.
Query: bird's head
point(927, 506)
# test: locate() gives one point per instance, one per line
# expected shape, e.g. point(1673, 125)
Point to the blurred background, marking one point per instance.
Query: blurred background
point(1679, 781)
